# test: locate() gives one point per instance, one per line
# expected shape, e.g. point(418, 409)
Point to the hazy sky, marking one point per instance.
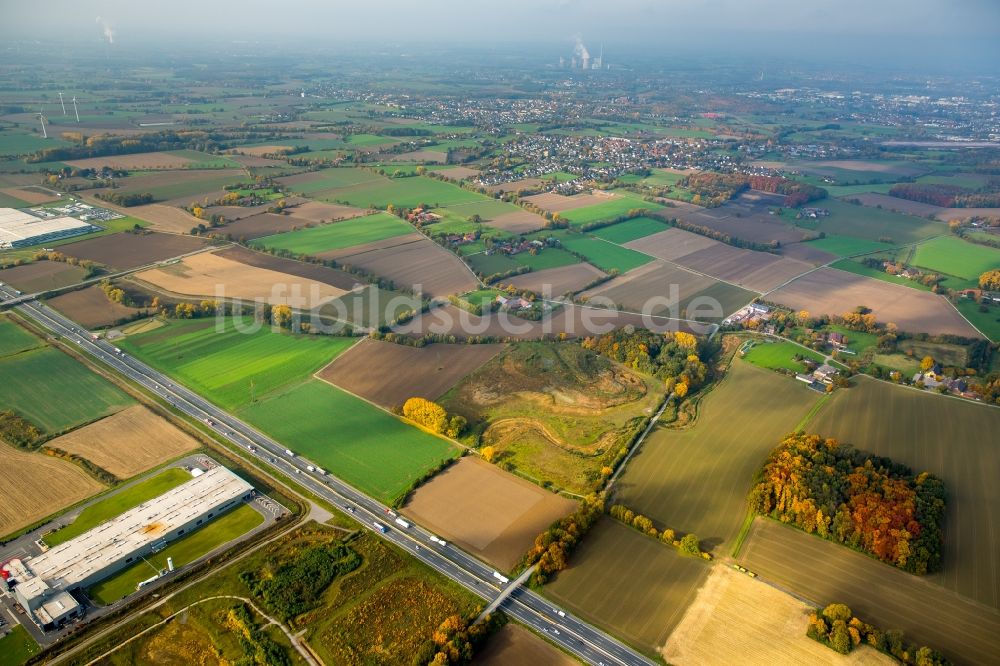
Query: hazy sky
point(968, 28)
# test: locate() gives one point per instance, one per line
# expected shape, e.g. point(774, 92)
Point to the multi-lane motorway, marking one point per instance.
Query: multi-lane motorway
point(574, 635)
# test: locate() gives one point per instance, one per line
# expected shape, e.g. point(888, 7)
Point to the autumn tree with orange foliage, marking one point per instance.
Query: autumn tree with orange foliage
point(675, 358)
point(864, 501)
point(553, 547)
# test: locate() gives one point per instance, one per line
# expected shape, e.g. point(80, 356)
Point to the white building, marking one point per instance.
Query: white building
point(20, 229)
point(42, 584)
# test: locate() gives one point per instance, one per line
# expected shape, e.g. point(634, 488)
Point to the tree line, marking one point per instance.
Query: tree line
point(689, 544)
point(837, 628)
point(553, 547)
point(677, 359)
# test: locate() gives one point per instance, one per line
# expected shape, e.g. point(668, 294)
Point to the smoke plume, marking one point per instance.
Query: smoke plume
point(109, 33)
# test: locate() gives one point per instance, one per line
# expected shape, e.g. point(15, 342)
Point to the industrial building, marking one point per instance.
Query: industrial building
point(20, 229)
point(43, 584)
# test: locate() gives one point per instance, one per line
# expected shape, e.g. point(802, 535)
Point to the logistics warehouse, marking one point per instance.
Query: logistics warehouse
point(20, 229)
point(43, 584)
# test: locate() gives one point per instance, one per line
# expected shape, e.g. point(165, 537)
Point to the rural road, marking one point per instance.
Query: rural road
point(575, 636)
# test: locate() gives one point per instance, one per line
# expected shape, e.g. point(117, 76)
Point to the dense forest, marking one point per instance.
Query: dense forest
point(676, 358)
point(855, 498)
point(947, 196)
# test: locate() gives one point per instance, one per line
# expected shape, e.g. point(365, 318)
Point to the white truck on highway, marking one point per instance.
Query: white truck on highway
point(402, 523)
point(380, 527)
point(438, 541)
point(500, 577)
point(288, 452)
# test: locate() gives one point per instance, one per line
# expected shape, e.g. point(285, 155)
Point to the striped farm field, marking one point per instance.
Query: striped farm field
point(606, 210)
point(606, 256)
point(55, 392)
point(629, 584)
point(367, 447)
point(696, 479)
point(236, 365)
point(630, 230)
point(953, 439)
point(348, 233)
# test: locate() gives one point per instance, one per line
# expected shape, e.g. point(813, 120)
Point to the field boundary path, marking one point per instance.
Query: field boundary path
point(635, 447)
point(270, 620)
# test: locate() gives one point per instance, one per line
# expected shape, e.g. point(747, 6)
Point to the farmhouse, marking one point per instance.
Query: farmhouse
point(20, 229)
point(825, 373)
point(513, 303)
point(837, 340)
point(43, 584)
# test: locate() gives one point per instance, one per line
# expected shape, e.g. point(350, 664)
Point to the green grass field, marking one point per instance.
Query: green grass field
point(55, 392)
point(606, 256)
point(17, 647)
point(607, 210)
point(14, 339)
point(326, 237)
point(630, 230)
point(230, 366)
point(488, 264)
point(988, 322)
point(953, 256)
point(696, 479)
point(185, 550)
point(551, 257)
point(865, 222)
point(845, 246)
point(205, 160)
point(17, 142)
point(778, 355)
point(118, 503)
point(336, 178)
point(487, 209)
point(372, 450)
point(7, 201)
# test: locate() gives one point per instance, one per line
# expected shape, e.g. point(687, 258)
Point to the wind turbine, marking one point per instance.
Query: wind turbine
point(76, 110)
point(63, 103)
point(41, 118)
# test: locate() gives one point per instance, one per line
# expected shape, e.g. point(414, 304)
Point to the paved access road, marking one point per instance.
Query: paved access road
point(577, 637)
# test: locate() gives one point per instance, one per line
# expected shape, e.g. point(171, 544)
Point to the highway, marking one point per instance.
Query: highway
point(577, 637)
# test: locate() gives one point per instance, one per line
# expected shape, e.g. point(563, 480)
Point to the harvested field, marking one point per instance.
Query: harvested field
point(632, 585)
point(183, 187)
point(169, 219)
point(747, 217)
point(254, 161)
point(557, 281)
point(825, 572)
point(431, 156)
point(487, 511)
point(42, 276)
point(127, 250)
point(135, 161)
point(759, 271)
point(671, 244)
point(422, 263)
point(696, 479)
point(734, 614)
point(127, 443)
point(949, 214)
point(895, 203)
point(36, 485)
point(518, 222)
point(557, 203)
point(523, 184)
point(318, 211)
point(261, 151)
point(213, 276)
point(514, 644)
point(91, 308)
point(31, 195)
point(952, 439)
point(573, 320)
point(458, 173)
point(834, 292)
point(315, 240)
point(808, 253)
point(650, 287)
point(262, 224)
point(313, 272)
point(426, 372)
